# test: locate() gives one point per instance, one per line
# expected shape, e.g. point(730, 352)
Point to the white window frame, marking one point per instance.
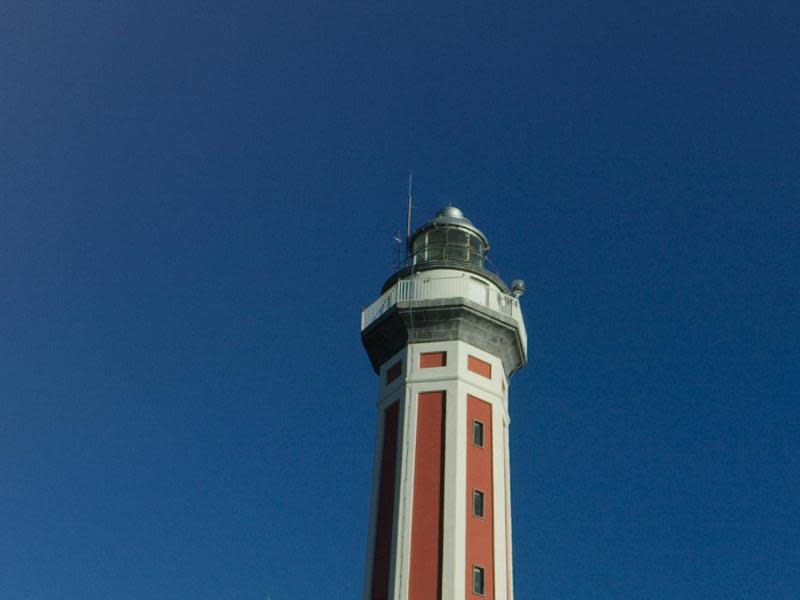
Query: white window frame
point(481, 572)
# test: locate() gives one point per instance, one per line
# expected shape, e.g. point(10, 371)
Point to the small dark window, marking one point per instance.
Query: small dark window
point(477, 433)
point(477, 580)
point(477, 503)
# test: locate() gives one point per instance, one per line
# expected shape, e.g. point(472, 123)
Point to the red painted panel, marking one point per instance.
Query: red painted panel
point(382, 554)
point(481, 367)
point(432, 359)
point(394, 371)
point(480, 530)
point(425, 579)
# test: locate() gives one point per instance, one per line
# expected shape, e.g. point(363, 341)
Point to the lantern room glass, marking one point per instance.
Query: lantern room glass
point(450, 245)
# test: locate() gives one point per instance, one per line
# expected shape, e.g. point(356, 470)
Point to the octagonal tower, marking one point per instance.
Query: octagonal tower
point(445, 336)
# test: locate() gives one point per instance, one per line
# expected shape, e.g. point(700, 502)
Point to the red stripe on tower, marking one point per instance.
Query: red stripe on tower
point(425, 580)
point(382, 555)
point(394, 371)
point(480, 528)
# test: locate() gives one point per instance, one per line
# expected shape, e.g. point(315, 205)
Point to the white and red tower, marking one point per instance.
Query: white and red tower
point(444, 337)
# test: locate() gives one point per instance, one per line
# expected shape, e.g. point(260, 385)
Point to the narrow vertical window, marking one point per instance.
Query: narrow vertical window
point(477, 503)
point(477, 433)
point(477, 580)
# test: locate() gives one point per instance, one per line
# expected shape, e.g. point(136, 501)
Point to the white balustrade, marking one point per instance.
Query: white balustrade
point(424, 288)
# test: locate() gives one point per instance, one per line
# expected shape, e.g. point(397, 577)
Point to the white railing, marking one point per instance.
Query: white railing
point(429, 288)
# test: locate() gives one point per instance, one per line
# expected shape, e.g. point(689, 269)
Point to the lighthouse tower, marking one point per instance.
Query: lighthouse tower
point(444, 337)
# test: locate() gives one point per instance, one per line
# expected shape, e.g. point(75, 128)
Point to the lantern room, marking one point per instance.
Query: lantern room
point(449, 238)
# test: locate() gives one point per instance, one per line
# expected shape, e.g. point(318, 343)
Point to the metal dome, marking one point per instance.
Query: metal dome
point(452, 212)
point(450, 216)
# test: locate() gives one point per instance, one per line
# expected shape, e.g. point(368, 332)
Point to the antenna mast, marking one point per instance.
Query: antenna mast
point(408, 208)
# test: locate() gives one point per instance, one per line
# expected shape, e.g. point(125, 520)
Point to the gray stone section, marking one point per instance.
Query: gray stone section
point(444, 320)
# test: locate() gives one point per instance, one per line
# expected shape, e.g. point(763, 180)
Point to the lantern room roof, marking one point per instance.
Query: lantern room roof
point(450, 216)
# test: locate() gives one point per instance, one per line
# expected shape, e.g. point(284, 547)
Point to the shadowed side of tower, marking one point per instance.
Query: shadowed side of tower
point(444, 338)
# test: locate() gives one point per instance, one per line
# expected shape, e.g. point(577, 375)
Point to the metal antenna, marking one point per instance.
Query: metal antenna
point(408, 208)
point(397, 244)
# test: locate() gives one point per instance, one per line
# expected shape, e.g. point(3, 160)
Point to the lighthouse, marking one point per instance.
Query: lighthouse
point(444, 337)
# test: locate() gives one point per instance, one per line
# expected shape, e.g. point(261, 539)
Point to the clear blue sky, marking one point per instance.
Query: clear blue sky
point(197, 198)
